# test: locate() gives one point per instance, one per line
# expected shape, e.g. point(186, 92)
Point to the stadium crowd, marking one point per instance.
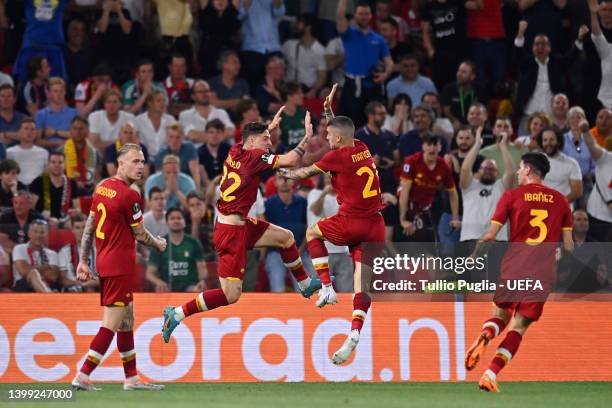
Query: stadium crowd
point(458, 89)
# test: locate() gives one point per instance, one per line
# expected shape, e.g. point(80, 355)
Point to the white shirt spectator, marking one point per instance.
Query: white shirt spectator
point(562, 169)
point(155, 227)
point(32, 162)
point(542, 94)
point(20, 253)
point(330, 207)
point(64, 257)
point(109, 132)
point(335, 47)
point(604, 49)
point(151, 138)
point(479, 202)
point(304, 64)
point(192, 120)
point(597, 205)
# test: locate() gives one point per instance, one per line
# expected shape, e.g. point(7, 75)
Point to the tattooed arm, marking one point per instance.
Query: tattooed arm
point(143, 236)
point(83, 271)
point(327, 105)
point(301, 173)
point(293, 157)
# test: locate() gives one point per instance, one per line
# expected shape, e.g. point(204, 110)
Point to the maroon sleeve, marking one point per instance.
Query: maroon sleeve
point(331, 161)
point(502, 210)
point(408, 169)
point(259, 160)
point(132, 207)
point(567, 223)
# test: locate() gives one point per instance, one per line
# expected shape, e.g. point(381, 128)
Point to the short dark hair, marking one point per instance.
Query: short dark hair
point(538, 162)
point(252, 129)
point(174, 55)
point(79, 119)
point(78, 217)
point(173, 210)
point(308, 19)
point(224, 56)
point(56, 153)
point(154, 190)
point(391, 21)
point(194, 194)
point(290, 88)
point(558, 135)
point(142, 62)
point(431, 139)
point(8, 165)
point(429, 93)
point(371, 107)
point(245, 104)
point(399, 98)
point(215, 123)
point(25, 120)
point(363, 3)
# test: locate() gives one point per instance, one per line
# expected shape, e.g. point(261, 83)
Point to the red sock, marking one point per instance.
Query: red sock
point(207, 300)
point(125, 345)
point(293, 262)
point(320, 260)
point(361, 304)
point(97, 349)
point(506, 350)
point(493, 327)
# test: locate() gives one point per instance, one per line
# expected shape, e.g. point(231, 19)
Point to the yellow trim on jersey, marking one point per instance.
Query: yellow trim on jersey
point(567, 228)
point(137, 223)
point(231, 278)
point(497, 222)
point(320, 169)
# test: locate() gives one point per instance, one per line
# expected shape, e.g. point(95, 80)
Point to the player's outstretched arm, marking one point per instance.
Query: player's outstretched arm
point(327, 104)
point(465, 175)
point(143, 236)
point(301, 173)
point(482, 246)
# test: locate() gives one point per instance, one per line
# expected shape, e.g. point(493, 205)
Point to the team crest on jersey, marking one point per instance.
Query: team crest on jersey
point(406, 168)
point(267, 158)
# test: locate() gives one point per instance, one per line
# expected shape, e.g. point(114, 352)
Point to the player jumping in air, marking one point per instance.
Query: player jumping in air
point(116, 219)
point(355, 178)
point(539, 216)
point(235, 233)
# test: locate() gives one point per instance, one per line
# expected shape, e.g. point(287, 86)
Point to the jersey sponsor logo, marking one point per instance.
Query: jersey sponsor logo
point(267, 158)
point(357, 157)
point(406, 167)
point(538, 197)
point(233, 164)
point(106, 192)
point(485, 192)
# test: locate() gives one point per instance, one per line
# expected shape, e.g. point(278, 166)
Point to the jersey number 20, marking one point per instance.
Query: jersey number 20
point(538, 222)
point(367, 190)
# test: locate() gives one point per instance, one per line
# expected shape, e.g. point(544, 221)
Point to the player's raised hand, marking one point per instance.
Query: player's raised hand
point(330, 98)
point(83, 273)
point(582, 31)
point(504, 139)
point(161, 243)
point(478, 135)
point(593, 6)
point(277, 119)
point(308, 126)
point(522, 27)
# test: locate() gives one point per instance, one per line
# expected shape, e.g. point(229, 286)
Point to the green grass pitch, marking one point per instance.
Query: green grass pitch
point(332, 395)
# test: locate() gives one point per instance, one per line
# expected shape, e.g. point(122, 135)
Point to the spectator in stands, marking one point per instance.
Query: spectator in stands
point(153, 123)
point(603, 126)
point(127, 134)
point(200, 222)
point(32, 158)
point(599, 205)
point(389, 28)
point(322, 203)
point(287, 210)
point(464, 139)
point(37, 267)
point(260, 35)
point(604, 49)
point(69, 253)
point(78, 55)
point(410, 82)
point(89, 94)
point(53, 122)
point(83, 162)
point(559, 107)
point(14, 222)
point(503, 125)
point(43, 37)
point(367, 63)
point(178, 85)
point(423, 118)
point(305, 58)
point(175, 21)
point(187, 153)
point(33, 94)
point(535, 123)
point(477, 117)
point(54, 195)
point(220, 29)
point(574, 146)
point(444, 38)
point(398, 122)
point(227, 88)
point(458, 96)
point(442, 124)
point(6, 79)
point(318, 144)
point(247, 112)
point(542, 74)
point(268, 93)
point(194, 120)
point(564, 175)
point(105, 124)
point(116, 37)
point(334, 57)
point(292, 124)
point(181, 266)
point(213, 153)
point(175, 184)
point(155, 217)
point(10, 119)
point(9, 185)
point(135, 92)
point(546, 18)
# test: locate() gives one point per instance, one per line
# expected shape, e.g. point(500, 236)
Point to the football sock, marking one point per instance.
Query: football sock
point(293, 262)
point(125, 345)
point(361, 304)
point(207, 300)
point(493, 327)
point(98, 347)
point(320, 259)
point(506, 350)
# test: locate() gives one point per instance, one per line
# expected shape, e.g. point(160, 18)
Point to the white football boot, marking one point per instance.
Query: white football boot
point(327, 296)
point(347, 348)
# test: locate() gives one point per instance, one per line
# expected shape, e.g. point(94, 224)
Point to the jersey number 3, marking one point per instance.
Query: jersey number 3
point(226, 194)
point(538, 222)
point(367, 190)
point(100, 207)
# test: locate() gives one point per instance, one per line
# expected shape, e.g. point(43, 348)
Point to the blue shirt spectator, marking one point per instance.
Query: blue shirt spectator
point(362, 53)
point(259, 26)
point(187, 152)
point(184, 182)
point(410, 82)
point(47, 118)
point(290, 216)
point(579, 151)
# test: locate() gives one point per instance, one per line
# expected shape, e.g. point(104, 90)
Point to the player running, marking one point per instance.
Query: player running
point(116, 217)
point(539, 216)
point(235, 233)
point(355, 179)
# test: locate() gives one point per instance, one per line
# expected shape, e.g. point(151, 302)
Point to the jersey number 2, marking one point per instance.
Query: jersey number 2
point(226, 194)
point(538, 222)
point(100, 207)
point(367, 190)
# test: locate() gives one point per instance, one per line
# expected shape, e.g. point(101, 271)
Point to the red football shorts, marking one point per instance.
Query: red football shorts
point(116, 290)
point(232, 243)
point(530, 310)
point(352, 231)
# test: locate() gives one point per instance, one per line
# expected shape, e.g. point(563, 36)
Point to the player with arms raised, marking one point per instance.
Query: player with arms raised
point(116, 220)
point(539, 217)
point(355, 179)
point(235, 233)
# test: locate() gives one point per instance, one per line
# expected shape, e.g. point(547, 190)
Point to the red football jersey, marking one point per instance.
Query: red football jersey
point(355, 179)
point(117, 208)
point(425, 181)
point(241, 176)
